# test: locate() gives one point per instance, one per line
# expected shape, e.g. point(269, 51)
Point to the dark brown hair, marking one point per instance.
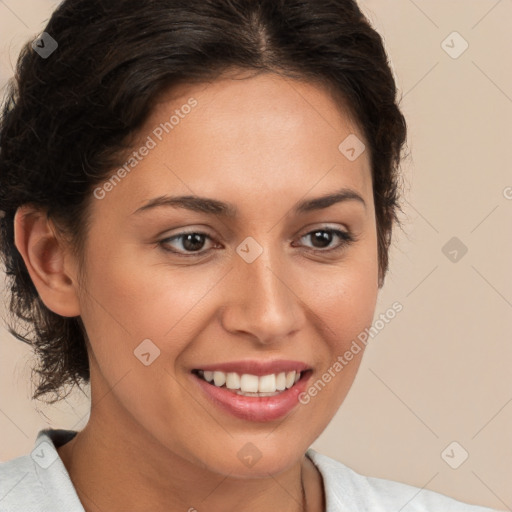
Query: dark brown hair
point(67, 118)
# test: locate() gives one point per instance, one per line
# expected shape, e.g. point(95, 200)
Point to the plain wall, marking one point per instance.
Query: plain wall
point(440, 370)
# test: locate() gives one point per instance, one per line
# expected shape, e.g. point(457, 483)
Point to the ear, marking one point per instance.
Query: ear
point(48, 265)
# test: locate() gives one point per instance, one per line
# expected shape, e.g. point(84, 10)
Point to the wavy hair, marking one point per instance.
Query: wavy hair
point(67, 120)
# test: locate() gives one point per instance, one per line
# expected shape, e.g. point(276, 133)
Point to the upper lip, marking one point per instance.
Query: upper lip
point(255, 367)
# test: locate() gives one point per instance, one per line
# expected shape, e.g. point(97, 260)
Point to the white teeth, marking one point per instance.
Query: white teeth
point(252, 384)
point(249, 383)
point(267, 384)
point(281, 381)
point(290, 379)
point(233, 381)
point(219, 378)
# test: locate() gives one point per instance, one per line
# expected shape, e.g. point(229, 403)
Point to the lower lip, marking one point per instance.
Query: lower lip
point(255, 408)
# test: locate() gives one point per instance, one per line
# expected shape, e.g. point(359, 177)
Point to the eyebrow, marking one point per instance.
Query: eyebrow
point(219, 208)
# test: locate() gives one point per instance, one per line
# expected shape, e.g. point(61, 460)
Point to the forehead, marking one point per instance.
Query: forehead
point(261, 136)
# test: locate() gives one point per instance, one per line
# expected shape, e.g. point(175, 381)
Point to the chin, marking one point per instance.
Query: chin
point(246, 459)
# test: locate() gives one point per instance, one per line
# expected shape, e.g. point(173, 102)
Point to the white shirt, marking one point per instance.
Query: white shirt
point(39, 482)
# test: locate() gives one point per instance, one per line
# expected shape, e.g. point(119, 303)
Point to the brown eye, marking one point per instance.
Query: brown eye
point(191, 242)
point(323, 238)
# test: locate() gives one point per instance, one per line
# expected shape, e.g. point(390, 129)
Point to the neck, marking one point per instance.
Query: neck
point(120, 469)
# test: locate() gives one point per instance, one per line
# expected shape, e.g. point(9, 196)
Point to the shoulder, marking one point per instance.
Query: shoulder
point(20, 489)
point(347, 490)
point(39, 481)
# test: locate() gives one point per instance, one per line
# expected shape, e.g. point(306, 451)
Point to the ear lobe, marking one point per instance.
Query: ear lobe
point(45, 257)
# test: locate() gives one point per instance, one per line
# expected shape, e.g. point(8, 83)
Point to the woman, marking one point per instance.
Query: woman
point(198, 203)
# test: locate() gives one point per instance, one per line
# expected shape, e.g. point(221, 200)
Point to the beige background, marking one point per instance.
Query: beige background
point(440, 371)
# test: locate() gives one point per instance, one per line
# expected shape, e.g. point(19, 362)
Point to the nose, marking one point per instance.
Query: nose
point(261, 301)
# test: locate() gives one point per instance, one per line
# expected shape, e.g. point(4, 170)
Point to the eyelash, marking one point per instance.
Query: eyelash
point(346, 239)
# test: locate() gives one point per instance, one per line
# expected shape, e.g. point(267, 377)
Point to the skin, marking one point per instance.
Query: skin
point(154, 441)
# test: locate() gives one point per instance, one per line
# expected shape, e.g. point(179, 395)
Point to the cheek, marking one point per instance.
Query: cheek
point(345, 297)
point(347, 310)
point(345, 302)
point(128, 301)
point(133, 300)
point(142, 297)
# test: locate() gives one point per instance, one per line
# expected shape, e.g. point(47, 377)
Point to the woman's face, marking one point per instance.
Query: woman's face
point(262, 281)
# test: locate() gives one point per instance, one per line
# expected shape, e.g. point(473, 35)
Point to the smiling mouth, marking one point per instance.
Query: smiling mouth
point(247, 384)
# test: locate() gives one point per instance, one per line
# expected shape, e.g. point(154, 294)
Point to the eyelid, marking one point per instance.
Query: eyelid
point(324, 227)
